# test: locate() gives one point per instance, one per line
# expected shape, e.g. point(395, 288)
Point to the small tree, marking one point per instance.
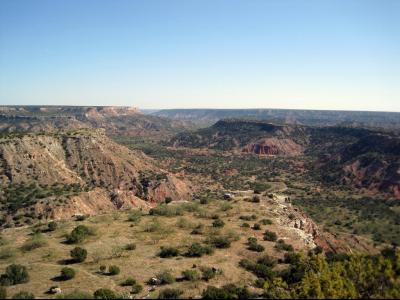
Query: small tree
point(191, 275)
point(105, 294)
point(67, 273)
point(170, 294)
point(113, 270)
point(218, 223)
point(17, 274)
point(166, 252)
point(270, 236)
point(79, 254)
point(52, 226)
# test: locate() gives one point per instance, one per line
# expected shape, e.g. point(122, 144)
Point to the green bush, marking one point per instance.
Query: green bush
point(166, 252)
point(128, 282)
point(102, 269)
point(168, 200)
point(78, 234)
point(67, 273)
point(191, 275)
point(248, 218)
point(282, 246)
point(256, 247)
point(16, 274)
point(256, 226)
point(36, 241)
point(266, 222)
point(113, 270)
point(23, 295)
point(270, 236)
point(198, 229)
point(105, 294)
point(78, 254)
point(166, 277)
point(222, 242)
point(52, 226)
point(208, 273)
point(135, 216)
point(136, 288)
point(197, 250)
point(130, 247)
point(218, 223)
point(170, 294)
point(246, 225)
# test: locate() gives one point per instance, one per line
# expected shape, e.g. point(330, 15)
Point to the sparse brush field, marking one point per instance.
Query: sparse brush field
point(133, 241)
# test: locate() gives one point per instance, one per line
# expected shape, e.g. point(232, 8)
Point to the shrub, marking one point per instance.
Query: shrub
point(105, 294)
point(255, 199)
point(248, 218)
point(218, 223)
point(113, 270)
point(256, 226)
point(197, 250)
point(270, 236)
point(282, 246)
point(23, 295)
point(130, 247)
point(128, 282)
point(208, 273)
point(136, 288)
point(168, 252)
point(198, 229)
point(78, 234)
point(79, 254)
point(291, 216)
point(166, 210)
point(135, 216)
point(3, 292)
point(212, 292)
point(67, 273)
point(6, 253)
point(102, 269)
point(266, 222)
point(191, 275)
point(221, 242)
point(267, 260)
point(204, 201)
point(80, 218)
point(166, 277)
point(36, 241)
point(170, 294)
point(16, 274)
point(256, 247)
point(246, 225)
point(52, 226)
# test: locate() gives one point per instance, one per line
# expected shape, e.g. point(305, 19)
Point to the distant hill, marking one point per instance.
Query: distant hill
point(124, 121)
point(57, 175)
point(340, 155)
point(207, 117)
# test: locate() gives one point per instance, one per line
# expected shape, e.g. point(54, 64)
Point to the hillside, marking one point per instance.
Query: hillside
point(207, 117)
point(340, 155)
point(119, 121)
point(57, 175)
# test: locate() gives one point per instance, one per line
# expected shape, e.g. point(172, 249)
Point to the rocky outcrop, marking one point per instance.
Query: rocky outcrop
point(110, 176)
point(274, 146)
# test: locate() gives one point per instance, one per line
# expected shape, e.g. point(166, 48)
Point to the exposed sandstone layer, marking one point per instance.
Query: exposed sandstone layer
point(274, 146)
point(110, 176)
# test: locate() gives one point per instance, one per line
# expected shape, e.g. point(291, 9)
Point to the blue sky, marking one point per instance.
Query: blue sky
point(323, 54)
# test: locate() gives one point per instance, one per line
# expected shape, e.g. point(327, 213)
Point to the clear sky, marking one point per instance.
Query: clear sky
point(338, 54)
